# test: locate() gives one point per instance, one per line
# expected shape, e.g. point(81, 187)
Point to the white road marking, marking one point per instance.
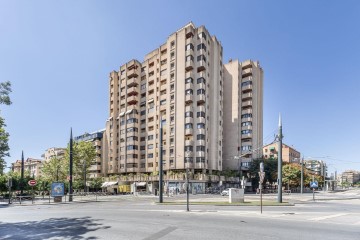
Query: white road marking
point(328, 217)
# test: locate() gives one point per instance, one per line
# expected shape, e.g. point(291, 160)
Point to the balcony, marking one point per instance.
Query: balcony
point(163, 107)
point(189, 86)
point(246, 111)
point(189, 142)
point(189, 65)
point(200, 142)
point(132, 100)
point(189, 108)
point(246, 64)
point(200, 153)
point(163, 87)
point(201, 131)
point(134, 124)
point(132, 91)
point(95, 167)
point(201, 120)
point(189, 52)
point(132, 73)
point(247, 87)
point(246, 103)
point(188, 131)
point(201, 98)
point(134, 151)
point(132, 82)
point(189, 75)
point(247, 95)
point(201, 86)
point(248, 135)
point(189, 98)
point(247, 72)
point(189, 120)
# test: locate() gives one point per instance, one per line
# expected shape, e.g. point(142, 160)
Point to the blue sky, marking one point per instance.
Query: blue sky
point(58, 55)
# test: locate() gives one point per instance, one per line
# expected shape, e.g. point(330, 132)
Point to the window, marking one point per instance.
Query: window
point(246, 131)
point(188, 148)
point(200, 114)
point(143, 86)
point(150, 155)
point(172, 66)
point(131, 120)
point(188, 80)
point(246, 148)
point(163, 72)
point(246, 124)
point(163, 102)
point(188, 126)
point(188, 114)
point(172, 54)
point(132, 156)
point(247, 83)
point(189, 92)
point(247, 115)
point(189, 46)
point(200, 159)
point(200, 148)
point(201, 58)
point(189, 58)
point(172, 44)
point(132, 138)
point(150, 146)
point(150, 137)
point(188, 159)
point(201, 46)
point(143, 112)
point(132, 147)
point(202, 35)
point(132, 129)
point(200, 91)
point(200, 137)
point(200, 80)
point(200, 125)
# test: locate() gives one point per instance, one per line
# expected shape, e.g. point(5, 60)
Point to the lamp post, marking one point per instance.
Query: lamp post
point(187, 180)
point(239, 165)
point(302, 175)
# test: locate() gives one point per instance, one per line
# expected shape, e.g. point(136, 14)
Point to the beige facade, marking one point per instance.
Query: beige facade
point(316, 167)
point(181, 84)
point(97, 168)
point(32, 167)
point(53, 152)
point(350, 176)
point(243, 113)
point(289, 154)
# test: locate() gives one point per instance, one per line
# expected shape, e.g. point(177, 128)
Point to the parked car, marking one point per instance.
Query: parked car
point(225, 192)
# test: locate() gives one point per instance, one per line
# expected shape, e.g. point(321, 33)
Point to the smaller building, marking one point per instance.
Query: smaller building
point(289, 154)
point(32, 167)
point(53, 152)
point(350, 176)
point(97, 138)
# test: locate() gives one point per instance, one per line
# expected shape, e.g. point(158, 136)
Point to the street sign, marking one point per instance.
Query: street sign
point(314, 184)
point(32, 182)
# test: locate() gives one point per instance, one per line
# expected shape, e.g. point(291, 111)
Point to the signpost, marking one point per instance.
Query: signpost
point(32, 183)
point(313, 185)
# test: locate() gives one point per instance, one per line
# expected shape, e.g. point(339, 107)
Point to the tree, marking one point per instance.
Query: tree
point(84, 155)
point(55, 169)
point(5, 90)
point(291, 175)
point(270, 169)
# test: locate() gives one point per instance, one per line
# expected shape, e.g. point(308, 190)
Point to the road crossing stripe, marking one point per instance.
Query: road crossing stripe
point(328, 216)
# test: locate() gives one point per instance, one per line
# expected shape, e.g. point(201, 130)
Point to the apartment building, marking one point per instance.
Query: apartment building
point(243, 113)
point(180, 85)
point(32, 167)
point(350, 176)
point(316, 167)
point(289, 154)
point(53, 152)
point(98, 139)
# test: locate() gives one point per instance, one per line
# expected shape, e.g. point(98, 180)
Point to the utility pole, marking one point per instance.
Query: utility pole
point(280, 162)
point(161, 164)
point(22, 173)
point(71, 167)
point(187, 180)
point(302, 175)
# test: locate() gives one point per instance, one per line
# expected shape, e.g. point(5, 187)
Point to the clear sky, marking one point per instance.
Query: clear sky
point(58, 55)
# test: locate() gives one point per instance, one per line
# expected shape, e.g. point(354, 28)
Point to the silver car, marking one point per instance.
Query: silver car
point(225, 192)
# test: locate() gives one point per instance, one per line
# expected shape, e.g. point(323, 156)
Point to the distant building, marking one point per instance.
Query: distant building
point(316, 167)
point(350, 176)
point(32, 167)
point(53, 152)
point(98, 168)
point(289, 154)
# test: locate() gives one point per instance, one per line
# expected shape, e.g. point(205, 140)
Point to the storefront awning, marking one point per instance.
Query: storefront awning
point(141, 184)
point(108, 184)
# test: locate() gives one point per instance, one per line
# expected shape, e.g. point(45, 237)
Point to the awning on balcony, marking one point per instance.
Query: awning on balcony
point(121, 114)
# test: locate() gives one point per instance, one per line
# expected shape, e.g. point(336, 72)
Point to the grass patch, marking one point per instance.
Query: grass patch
point(246, 203)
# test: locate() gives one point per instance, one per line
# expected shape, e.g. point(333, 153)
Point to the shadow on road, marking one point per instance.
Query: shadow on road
point(54, 228)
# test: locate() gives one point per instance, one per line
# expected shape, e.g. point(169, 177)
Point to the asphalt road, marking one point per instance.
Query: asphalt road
point(128, 217)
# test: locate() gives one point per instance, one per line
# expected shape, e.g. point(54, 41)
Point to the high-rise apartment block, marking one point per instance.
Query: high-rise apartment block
point(209, 112)
point(243, 113)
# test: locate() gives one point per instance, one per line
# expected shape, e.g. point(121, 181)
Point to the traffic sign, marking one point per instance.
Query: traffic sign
point(314, 184)
point(32, 182)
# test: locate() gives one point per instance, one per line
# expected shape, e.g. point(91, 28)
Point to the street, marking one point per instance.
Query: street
point(139, 217)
